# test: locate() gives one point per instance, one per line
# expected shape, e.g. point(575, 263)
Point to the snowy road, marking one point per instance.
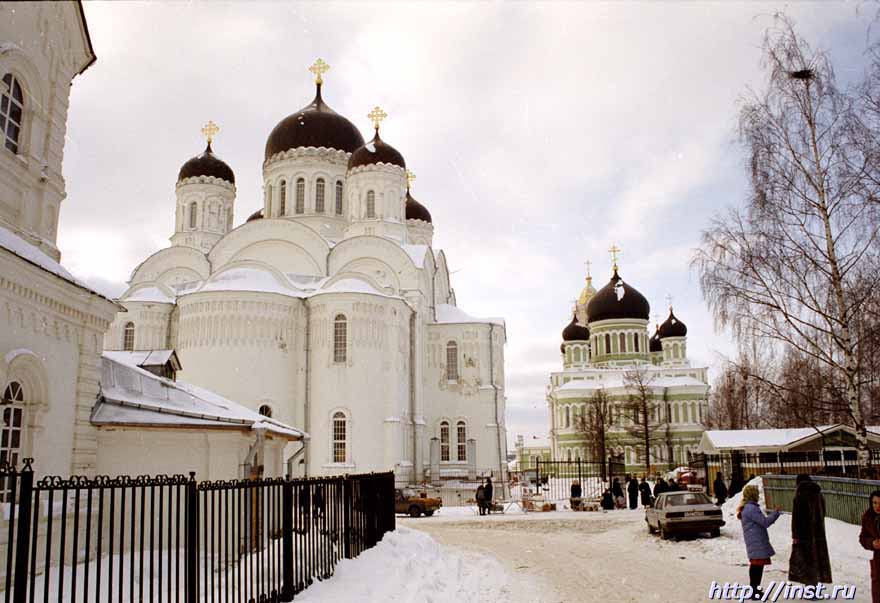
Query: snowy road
point(582, 557)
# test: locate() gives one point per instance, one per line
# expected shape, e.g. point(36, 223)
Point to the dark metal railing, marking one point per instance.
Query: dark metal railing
point(554, 478)
point(176, 539)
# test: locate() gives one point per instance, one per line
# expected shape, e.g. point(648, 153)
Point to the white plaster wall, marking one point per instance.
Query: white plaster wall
point(388, 182)
point(215, 206)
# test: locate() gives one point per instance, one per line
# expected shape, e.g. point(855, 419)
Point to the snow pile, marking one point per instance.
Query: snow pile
point(409, 565)
point(849, 561)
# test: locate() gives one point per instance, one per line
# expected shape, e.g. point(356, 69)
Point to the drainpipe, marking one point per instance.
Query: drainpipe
point(495, 389)
point(308, 387)
point(412, 388)
point(252, 455)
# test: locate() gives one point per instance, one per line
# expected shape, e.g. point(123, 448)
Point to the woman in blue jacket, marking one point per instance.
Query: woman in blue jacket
point(754, 526)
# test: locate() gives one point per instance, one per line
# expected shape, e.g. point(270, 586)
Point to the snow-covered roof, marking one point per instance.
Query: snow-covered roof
point(350, 285)
point(536, 441)
point(447, 313)
point(760, 439)
point(416, 253)
point(616, 379)
point(149, 294)
point(142, 358)
point(249, 279)
point(15, 245)
point(133, 396)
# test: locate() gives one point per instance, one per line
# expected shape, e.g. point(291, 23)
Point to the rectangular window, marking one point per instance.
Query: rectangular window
point(340, 332)
point(300, 206)
point(452, 361)
point(338, 198)
point(319, 196)
point(461, 434)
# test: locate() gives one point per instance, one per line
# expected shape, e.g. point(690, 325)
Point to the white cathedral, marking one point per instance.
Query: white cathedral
point(320, 336)
point(329, 309)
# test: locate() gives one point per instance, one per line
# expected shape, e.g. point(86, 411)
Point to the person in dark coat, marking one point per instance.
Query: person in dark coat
point(632, 488)
point(672, 486)
point(617, 493)
point(720, 489)
point(659, 487)
point(869, 538)
point(575, 498)
point(607, 500)
point(480, 496)
point(487, 494)
point(809, 563)
point(645, 491)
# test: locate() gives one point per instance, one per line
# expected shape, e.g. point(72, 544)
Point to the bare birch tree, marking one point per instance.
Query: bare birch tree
point(790, 267)
point(644, 414)
point(594, 423)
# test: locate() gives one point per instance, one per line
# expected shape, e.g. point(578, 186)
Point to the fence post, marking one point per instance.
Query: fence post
point(538, 475)
point(346, 516)
point(191, 526)
point(287, 560)
point(23, 533)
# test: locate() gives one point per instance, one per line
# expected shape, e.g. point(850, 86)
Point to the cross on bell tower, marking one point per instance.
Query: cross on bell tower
point(210, 130)
point(319, 68)
point(409, 179)
point(377, 115)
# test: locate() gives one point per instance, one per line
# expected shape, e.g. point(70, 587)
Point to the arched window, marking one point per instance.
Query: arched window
point(300, 196)
point(268, 199)
point(452, 361)
point(607, 343)
point(11, 431)
point(319, 196)
point(11, 112)
point(339, 197)
point(371, 204)
point(577, 354)
point(340, 338)
point(461, 441)
point(444, 441)
point(128, 337)
point(567, 416)
point(340, 437)
point(636, 338)
point(193, 214)
point(266, 410)
point(675, 351)
point(282, 199)
point(622, 342)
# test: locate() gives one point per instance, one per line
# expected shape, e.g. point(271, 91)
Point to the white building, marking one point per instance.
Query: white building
point(329, 309)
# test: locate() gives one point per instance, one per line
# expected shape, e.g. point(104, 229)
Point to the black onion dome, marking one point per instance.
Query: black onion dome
point(257, 215)
point(206, 164)
point(618, 300)
point(376, 151)
point(575, 331)
point(315, 125)
point(654, 344)
point(415, 210)
point(673, 327)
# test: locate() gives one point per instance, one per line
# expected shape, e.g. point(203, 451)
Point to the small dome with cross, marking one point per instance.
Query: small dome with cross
point(672, 327)
point(377, 150)
point(207, 164)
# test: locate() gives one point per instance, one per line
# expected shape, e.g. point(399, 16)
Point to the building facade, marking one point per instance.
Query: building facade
point(329, 309)
point(637, 391)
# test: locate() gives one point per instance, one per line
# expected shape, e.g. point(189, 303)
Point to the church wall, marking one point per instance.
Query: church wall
point(388, 183)
point(214, 202)
point(50, 342)
point(242, 345)
point(470, 397)
point(284, 244)
point(44, 48)
point(371, 387)
point(214, 454)
point(151, 326)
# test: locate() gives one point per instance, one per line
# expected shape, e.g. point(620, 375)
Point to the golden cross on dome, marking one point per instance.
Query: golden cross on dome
point(319, 68)
point(614, 251)
point(210, 130)
point(376, 116)
point(669, 301)
point(588, 264)
point(409, 178)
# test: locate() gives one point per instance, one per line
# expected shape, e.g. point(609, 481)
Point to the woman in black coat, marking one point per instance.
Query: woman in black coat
point(720, 489)
point(617, 492)
point(633, 490)
point(659, 487)
point(809, 563)
point(645, 491)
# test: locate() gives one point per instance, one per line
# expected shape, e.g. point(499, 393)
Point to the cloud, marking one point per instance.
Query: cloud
point(541, 134)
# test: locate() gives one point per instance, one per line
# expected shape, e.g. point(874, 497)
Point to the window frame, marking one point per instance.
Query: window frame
point(340, 339)
point(193, 215)
point(128, 343)
point(339, 422)
point(299, 207)
point(445, 457)
point(319, 195)
point(6, 118)
point(370, 210)
point(452, 372)
point(339, 198)
point(13, 403)
point(461, 441)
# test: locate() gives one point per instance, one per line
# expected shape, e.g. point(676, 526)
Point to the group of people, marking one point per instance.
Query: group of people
point(484, 496)
point(636, 492)
point(809, 563)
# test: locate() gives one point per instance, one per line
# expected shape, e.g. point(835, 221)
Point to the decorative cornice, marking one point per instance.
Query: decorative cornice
point(206, 180)
point(332, 155)
point(387, 168)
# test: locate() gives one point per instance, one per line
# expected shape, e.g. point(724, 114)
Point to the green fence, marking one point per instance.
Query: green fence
point(845, 498)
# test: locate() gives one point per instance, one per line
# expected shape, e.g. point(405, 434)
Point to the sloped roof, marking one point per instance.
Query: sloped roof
point(753, 439)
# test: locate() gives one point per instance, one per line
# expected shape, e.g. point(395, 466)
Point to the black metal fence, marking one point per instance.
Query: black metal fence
point(176, 539)
point(737, 468)
point(554, 479)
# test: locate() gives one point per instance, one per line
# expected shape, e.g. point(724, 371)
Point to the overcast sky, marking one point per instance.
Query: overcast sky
point(541, 134)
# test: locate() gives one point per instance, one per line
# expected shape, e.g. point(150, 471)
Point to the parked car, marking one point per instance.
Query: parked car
point(683, 513)
point(407, 500)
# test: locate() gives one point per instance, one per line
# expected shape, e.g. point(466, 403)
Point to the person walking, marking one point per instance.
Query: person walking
point(632, 488)
point(645, 491)
point(809, 563)
point(617, 493)
point(754, 527)
point(659, 487)
point(480, 496)
point(869, 538)
point(488, 491)
point(720, 489)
